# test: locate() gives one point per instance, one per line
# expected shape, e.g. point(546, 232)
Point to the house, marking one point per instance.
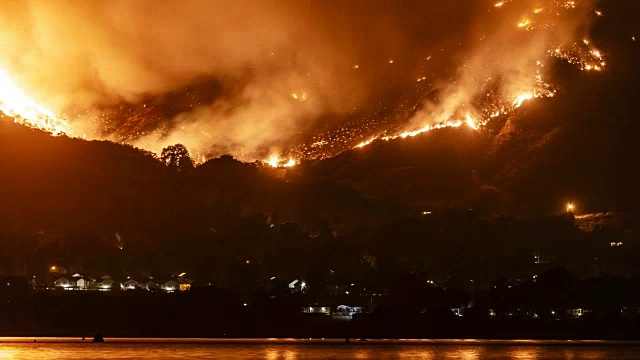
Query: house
point(81, 283)
point(185, 284)
point(150, 285)
point(105, 283)
point(345, 313)
point(62, 282)
point(130, 284)
point(576, 312)
point(326, 310)
point(297, 285)
point(170, 286)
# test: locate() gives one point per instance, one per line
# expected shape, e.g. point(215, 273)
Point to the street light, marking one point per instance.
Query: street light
point(570, 207)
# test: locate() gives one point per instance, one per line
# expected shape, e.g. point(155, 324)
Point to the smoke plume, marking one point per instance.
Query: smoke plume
point(254, 77)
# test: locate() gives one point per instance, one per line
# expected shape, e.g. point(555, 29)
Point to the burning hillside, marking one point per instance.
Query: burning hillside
point(285, 101)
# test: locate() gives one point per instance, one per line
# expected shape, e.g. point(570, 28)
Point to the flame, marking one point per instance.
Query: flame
point(275, 162)
point(471, 123)
point(522, 98)
point(524, 23)
point(302, 96)
point(26, 110)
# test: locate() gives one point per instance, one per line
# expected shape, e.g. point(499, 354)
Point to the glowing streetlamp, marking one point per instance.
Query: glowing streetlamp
point(570, 207)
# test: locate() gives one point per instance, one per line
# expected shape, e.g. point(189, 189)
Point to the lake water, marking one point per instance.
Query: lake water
point(290, 349)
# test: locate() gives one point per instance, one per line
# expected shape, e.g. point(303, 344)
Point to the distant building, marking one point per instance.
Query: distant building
point(185, 284)
point(577, 312)
point(170, 286)
point(81, 283)
point(62, 282)
point(459, 311)
point(130, 284)
point(346, 313)
point(339, 313)
point(326, 310)
point(150, 285)
point(297, 285)
point(105, 283)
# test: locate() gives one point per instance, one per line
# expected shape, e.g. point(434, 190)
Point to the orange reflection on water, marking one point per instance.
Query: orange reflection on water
point(362, 354)
point(7, 354)
point(280, 354)
point(527, 353)
point(417, 354)
point(466, 354)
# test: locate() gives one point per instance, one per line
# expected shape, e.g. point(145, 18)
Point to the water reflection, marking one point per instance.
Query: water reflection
point(280, 354)
point(466, 354)
point(419, 353)
point(592, 355)
point(7, 353)
point(58, 349)
point(271, 354)
point(361, 354)
point(526, 353)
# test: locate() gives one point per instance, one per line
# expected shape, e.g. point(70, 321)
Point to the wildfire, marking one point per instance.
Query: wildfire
point(524, 23)
point(582, 54)
point(25, 110)
point(522, 98)
point(301, 97)
point(465, 109)
point(275, 162)
point(471, 123)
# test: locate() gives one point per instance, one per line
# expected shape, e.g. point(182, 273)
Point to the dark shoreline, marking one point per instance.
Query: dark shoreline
point(328, 341)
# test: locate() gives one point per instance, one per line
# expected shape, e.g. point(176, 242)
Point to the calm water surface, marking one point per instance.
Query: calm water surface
point(289, 349)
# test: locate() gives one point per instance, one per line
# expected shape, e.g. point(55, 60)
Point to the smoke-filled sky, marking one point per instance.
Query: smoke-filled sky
point(305, 78)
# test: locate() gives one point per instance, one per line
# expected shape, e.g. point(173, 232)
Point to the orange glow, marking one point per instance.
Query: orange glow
point(451, 109)
point(522, 98)
point(301, 97)
point(471, 123)
point(25, 110)
point(276, 162)
point(570, 207)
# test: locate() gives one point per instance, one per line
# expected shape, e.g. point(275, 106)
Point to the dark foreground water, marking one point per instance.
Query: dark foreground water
point(289, 349)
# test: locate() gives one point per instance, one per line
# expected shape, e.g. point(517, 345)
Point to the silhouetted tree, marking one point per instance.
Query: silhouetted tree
point(176, 157)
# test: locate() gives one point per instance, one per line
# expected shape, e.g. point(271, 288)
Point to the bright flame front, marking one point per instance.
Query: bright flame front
point(24, 109)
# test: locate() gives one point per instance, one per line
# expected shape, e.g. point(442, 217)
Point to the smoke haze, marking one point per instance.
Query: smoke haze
point(252, 78)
